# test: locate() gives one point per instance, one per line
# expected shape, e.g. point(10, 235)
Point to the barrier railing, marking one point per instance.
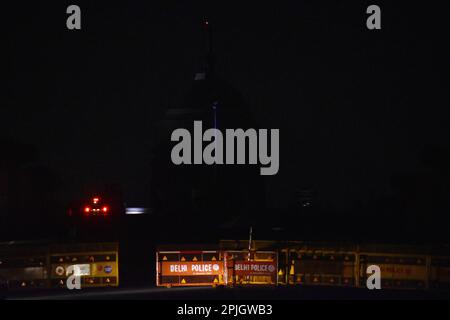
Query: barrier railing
point(211, 268)
point(46, 266)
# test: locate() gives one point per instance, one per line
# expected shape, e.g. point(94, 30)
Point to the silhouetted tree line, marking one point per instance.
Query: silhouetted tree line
point(29, 202)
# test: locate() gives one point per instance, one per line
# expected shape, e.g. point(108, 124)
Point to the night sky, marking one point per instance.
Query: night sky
point(354, 107)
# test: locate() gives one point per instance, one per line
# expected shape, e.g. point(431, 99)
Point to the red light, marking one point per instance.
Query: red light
point(87, 209)
point(105, 209)
point(95, 200)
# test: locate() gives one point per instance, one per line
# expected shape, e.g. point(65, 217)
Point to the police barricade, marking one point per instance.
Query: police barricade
point(97, 265)
point(320, 267)
point(23, 266)
point(440, 273)
point(211, 268)
point(397, 271)
point(43, 265)
point(251, 268)
point(189, 268)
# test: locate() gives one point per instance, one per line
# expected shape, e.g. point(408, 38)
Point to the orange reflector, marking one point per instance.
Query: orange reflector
point(292, 271)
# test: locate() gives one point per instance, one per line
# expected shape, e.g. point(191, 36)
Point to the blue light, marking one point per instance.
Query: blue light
point(136, 211)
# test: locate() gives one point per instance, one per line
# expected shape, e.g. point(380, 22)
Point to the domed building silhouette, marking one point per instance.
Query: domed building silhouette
point(216, 193)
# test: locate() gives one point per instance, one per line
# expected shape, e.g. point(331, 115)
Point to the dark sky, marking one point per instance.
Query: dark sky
point(353, 106)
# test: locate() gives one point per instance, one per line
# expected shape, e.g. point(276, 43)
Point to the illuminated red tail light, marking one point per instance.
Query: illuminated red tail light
point(105, 209)
point(87, 209)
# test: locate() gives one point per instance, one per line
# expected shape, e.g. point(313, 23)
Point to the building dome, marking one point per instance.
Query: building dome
point(199, 190)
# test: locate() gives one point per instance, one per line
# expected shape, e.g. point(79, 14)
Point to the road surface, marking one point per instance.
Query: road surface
point(220, 293)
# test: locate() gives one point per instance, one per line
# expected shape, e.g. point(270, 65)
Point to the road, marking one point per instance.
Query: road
point(219, 293)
